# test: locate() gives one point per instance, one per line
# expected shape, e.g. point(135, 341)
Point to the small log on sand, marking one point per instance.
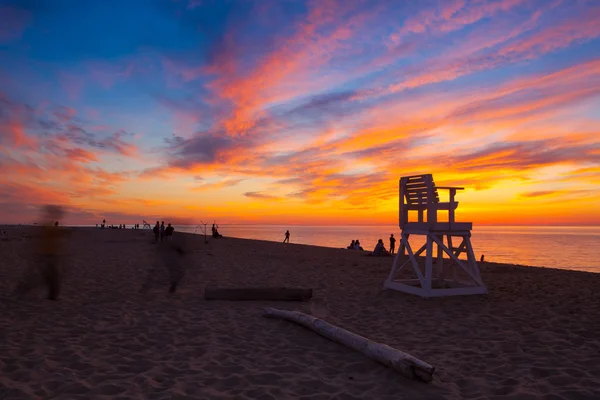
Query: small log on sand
point(406, 364)
point(266, 293)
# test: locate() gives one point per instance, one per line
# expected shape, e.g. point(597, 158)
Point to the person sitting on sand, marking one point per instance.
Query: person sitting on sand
point(357, 245)
point(379, 249)
point(351, 247)
point(215, 232)
point(169, 232)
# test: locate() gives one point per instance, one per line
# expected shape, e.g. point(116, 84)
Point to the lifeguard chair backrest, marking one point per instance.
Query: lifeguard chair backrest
point(416, 192)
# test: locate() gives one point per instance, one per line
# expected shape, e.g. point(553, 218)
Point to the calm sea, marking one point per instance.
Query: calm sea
point(546, 246)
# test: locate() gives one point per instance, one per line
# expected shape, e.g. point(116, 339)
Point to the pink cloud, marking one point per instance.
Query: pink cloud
point(65, 114)
point(544, 41)
point(452, 15)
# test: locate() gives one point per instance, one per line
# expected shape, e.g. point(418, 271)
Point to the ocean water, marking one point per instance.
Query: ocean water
point(562, 247)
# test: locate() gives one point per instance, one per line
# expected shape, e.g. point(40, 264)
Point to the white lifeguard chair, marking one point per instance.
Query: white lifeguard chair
point(439, 276)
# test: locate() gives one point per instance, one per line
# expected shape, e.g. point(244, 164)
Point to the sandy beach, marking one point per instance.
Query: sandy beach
point(535, 336)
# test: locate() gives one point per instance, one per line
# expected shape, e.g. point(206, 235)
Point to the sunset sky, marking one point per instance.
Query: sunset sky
point(298, 112)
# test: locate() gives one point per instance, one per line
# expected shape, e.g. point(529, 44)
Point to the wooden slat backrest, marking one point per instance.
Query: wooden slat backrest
point(415, 192)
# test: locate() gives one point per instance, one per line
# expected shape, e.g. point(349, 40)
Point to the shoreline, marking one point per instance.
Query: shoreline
point(484, 265)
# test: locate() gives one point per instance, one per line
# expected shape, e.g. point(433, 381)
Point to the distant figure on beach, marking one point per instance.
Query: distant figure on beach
point(162, 230)
point(156, 231)
point(103, 223)
point(357, 245)
point(215, 231)
point(50, 247)
point(351, 247)
point(169, 232)
point(392, 243)
point(482, 258)
point(379, 249)
point(287, 237)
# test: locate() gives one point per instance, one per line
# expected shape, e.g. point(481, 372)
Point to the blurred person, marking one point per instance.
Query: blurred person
point(49, 251)
point(171, 256)
point(156, 231)
point(169, 232)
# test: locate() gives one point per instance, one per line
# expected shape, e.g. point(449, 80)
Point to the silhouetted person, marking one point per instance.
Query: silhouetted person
point(357, 245)
point(215, 232)
point(169, 232)
point(379, 249)
point(287, 237)
point(156, 231)
point(392, 243)
point(482, 258)
point(162, 230)
point(351, 247)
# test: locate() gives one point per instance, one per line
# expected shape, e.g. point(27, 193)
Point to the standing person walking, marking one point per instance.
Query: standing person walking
point(162, 230)
point(392, 243)
point(287, 237)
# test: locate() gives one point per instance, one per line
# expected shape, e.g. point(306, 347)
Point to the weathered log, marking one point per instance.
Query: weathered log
point(265, 293)
point(404, 363)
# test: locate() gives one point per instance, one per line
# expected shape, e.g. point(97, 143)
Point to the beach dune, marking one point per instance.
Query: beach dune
point(535, 335)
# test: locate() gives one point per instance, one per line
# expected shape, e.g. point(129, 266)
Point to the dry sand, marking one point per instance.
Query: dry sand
point(536, 335)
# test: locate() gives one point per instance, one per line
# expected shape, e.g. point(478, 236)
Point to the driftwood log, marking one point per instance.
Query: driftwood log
point(404, 363)
point(266, 293)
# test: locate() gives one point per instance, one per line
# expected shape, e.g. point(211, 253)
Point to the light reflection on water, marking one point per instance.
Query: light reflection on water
point(547, 246)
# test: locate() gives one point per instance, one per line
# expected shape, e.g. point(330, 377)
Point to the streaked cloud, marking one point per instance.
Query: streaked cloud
point(304, 112)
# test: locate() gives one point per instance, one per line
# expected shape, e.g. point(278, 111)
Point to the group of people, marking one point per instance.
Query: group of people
point(355, 245)
point(165, 233)
point(121, 226)
point(379, 249)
